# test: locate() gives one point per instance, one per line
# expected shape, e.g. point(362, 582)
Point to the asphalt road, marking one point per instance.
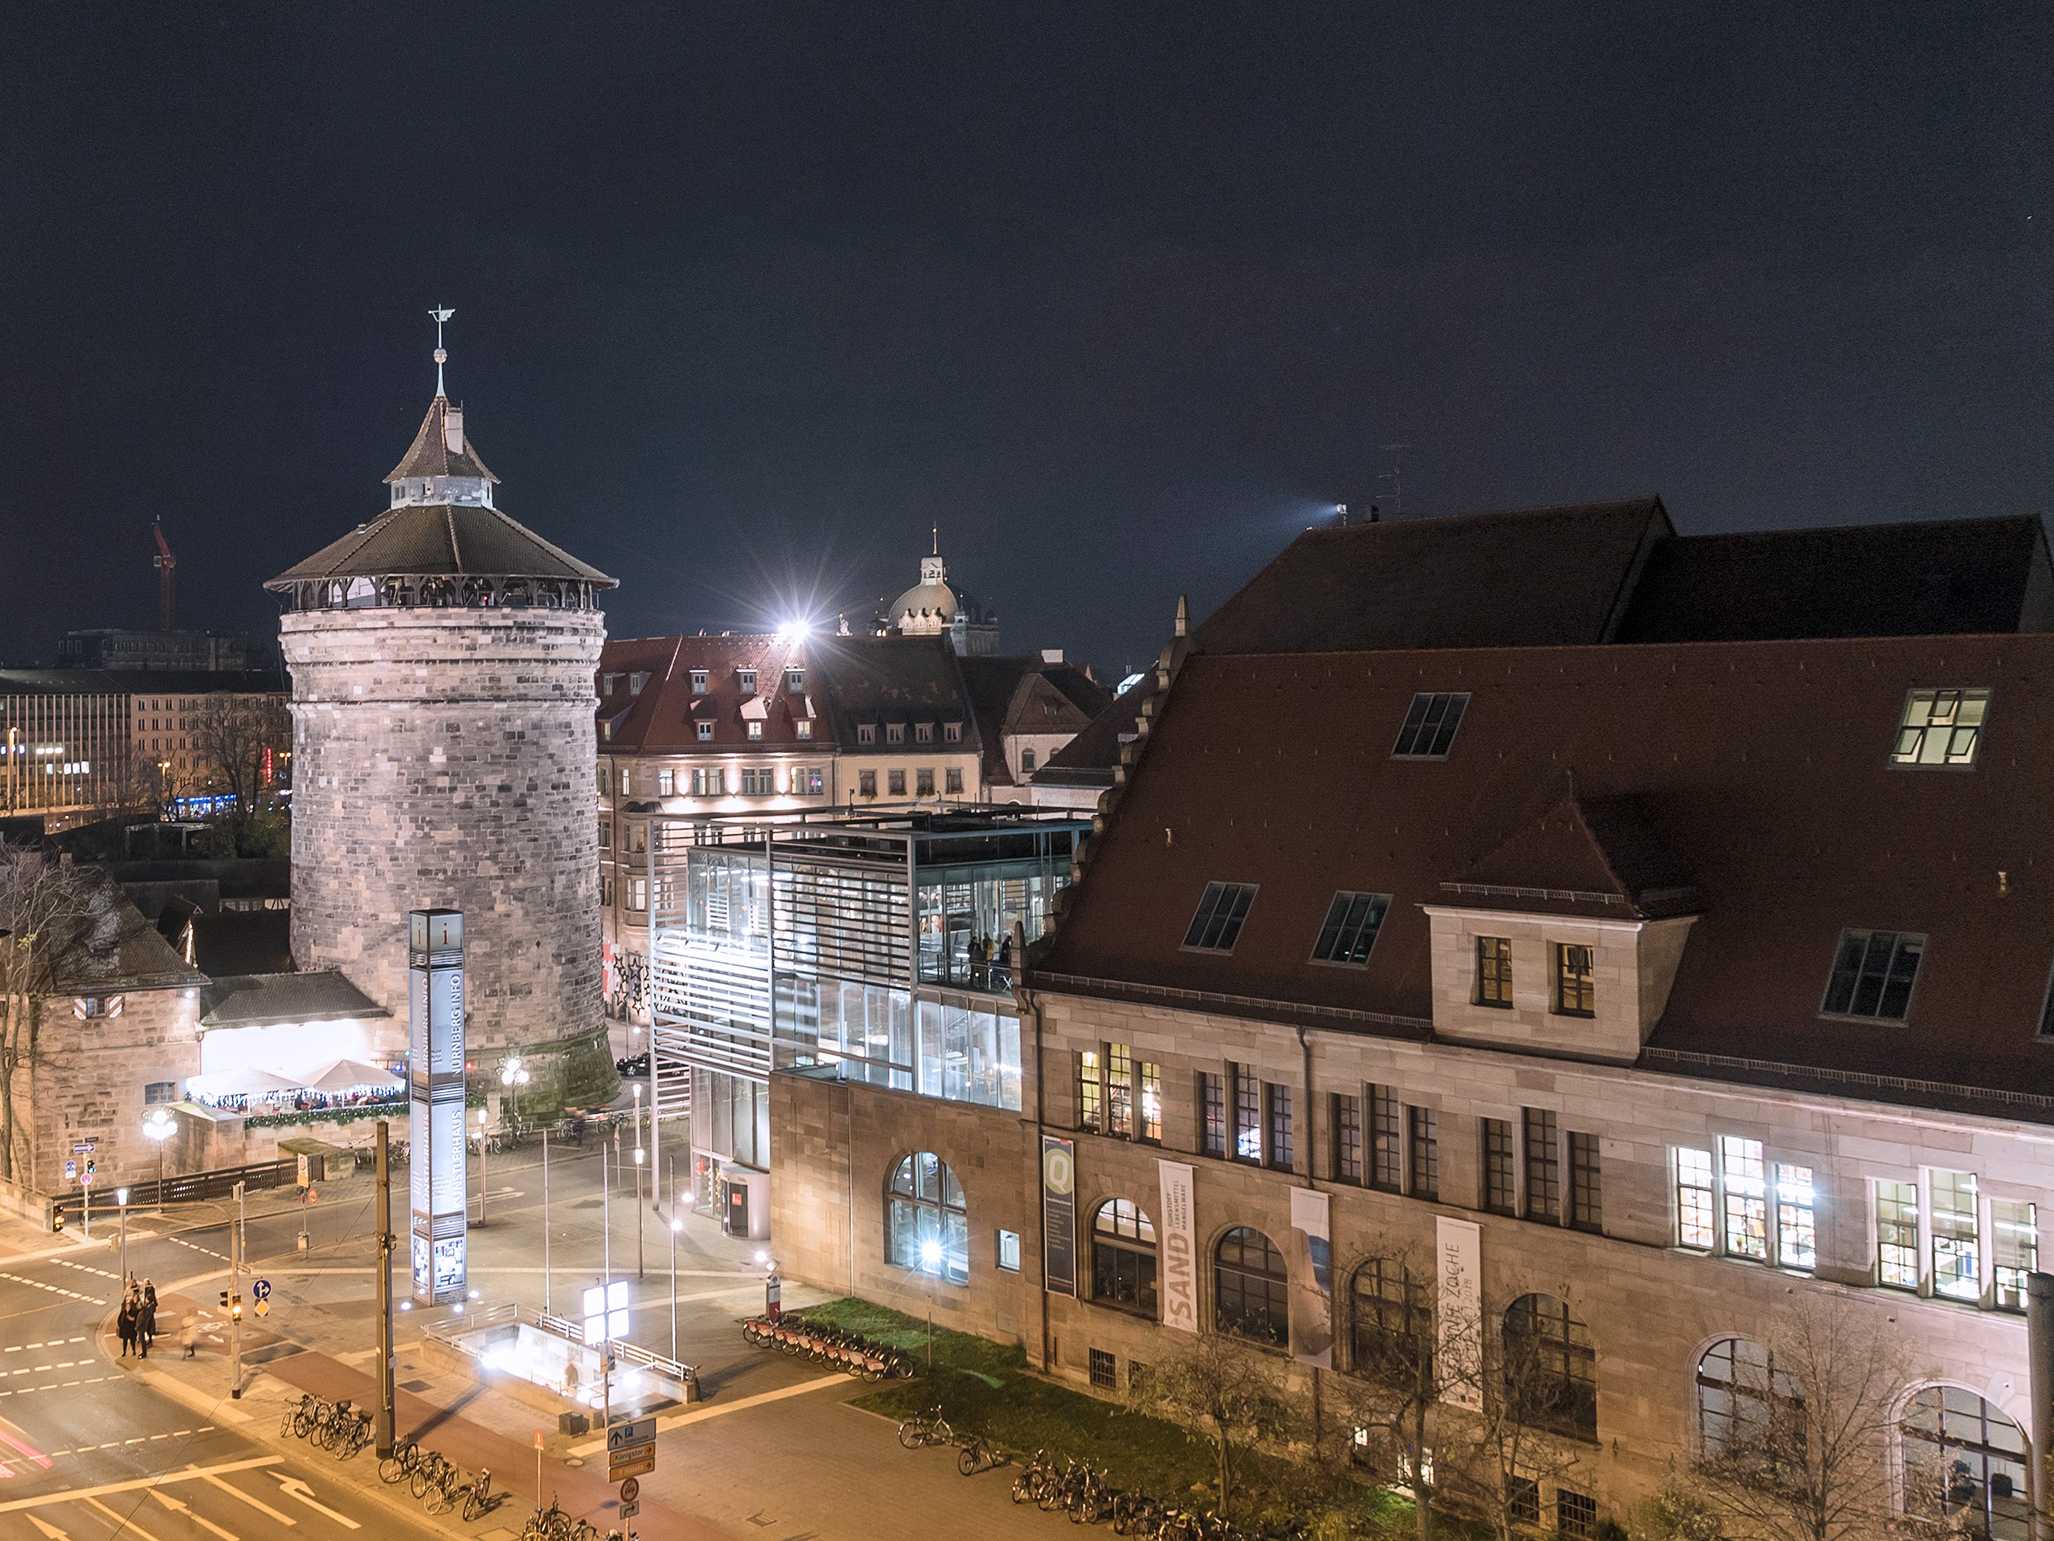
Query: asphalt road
point(87, 1451)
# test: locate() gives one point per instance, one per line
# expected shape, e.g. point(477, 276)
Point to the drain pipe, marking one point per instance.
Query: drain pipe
point(1311, 1167)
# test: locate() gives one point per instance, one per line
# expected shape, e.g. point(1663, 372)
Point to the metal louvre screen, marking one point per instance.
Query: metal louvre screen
point(846, 921)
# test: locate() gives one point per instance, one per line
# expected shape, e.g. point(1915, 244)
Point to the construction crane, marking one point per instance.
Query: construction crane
point(167, 585)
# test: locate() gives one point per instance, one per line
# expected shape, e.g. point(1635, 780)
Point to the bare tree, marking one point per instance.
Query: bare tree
point(1385, 1401)
point(1231, 1391)
point(1520, 1411)
point(1794, 1443)
point(44, 904)
point(240, 739)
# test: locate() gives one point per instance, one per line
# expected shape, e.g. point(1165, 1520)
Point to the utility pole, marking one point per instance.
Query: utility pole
point(236, 1240)
point(605, 1291)
point(384, 1432)
point(2039, 1325)
point(671, 1192)
point(545, 1236)
point(484, 1170)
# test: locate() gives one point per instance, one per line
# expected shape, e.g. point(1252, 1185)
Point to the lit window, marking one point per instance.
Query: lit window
point(1957, 1248)
point(1873, 973)
point(1897, 1234)
point(1747, 1205)
point(1281, 1153)
point(1221, 910)
point(1212, 1114)
point(666, 783)
point(1350, 929)
point(1494, 971)
point(1119, 1086)
point(756, 728)
point(1797, 1220)
point(1695, 1204)
point(1008, 1250)
point(1575, 989)
point(2014, 1249)
point(925, 1204)
point(1247, 1115)
point(1964, 1465)
point(1090, 1091)
point(1941, 727)
point(1430, 726)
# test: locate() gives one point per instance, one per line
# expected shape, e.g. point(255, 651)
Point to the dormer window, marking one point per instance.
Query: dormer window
point(745, 681)
point(704, 731)
point(1941, 727)
point(952, 732)
point(1873, 973)
point(923, 732)
point(1430, 725)
point(608, 684)
point(1217, 924)
point(804, 727)
point(895, 733)
point(1349, 932)
point(636, 681)
point(795, 679)
point(700, 682)
point(866, 732)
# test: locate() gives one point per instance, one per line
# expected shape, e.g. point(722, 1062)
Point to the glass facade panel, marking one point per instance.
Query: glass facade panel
point(1957, 1243)
point(1897, 1235)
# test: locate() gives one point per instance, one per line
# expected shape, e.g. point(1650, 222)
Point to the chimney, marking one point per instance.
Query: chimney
point(1051, 655)
point(1183, 616)
point(453, 429)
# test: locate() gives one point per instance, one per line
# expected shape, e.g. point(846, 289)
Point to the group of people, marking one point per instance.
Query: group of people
point(137, 1324)
point(991, 967)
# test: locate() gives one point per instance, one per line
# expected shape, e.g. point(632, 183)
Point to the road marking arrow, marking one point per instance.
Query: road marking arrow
point(255, 1503)
point(180, 1506)
point(48, 1529)
point(297, 1488)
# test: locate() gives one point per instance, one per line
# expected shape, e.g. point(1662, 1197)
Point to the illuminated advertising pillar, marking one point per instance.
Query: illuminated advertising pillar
point(435, 1091)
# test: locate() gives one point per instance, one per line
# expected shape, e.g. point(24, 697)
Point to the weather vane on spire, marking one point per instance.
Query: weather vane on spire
point(441, 353)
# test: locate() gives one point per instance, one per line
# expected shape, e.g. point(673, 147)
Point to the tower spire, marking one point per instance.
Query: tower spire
point(441, 314)
point(937, 540)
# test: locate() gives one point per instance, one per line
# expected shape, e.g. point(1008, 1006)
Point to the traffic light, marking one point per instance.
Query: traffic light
point(91, 1166)
point(232, 1304)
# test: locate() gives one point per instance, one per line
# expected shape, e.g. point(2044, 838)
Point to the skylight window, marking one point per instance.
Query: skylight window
point(1941, 727)
point(1873, 973)
point(1352, 923)
point(1430, 726)
point(1217, 925)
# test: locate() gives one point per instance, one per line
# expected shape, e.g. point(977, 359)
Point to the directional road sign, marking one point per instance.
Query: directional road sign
point(638, 1431)
point(633, 1461)
point(261, 1289)
point(629, 1510)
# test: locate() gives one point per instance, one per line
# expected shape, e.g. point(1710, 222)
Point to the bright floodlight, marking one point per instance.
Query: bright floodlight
point(930, 1256)
point(795, 630)
point(641, 1155)
point(677, 1225)
point(121, 1195)
point(762, 1257)
point(160, 1125)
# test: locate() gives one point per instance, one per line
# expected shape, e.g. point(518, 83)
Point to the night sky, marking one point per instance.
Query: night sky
point(748, 296)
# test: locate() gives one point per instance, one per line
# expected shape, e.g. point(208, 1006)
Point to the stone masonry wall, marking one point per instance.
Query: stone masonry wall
point(88, 1080)
point(444, 758)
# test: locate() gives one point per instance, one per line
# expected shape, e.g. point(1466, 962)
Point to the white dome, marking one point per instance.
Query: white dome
point(925, 600)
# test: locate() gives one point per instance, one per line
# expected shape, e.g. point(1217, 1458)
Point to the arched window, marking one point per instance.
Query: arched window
point(1550, 1367)
point(1964, 1461)
point(925, 1204)
point(1123, 1257)
point(1392, 1324)
point(1250, 1288)
point(1749, 1411)
point(1026, 760)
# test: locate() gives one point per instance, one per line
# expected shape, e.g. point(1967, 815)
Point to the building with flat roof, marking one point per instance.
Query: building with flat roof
point(1541, 945)
point(876, 948)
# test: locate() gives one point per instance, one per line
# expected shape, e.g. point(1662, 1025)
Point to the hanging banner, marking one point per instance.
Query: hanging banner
point(1180, 1258)
point(1458, 1314)
point(1312, 1280)
point(1059, 1214)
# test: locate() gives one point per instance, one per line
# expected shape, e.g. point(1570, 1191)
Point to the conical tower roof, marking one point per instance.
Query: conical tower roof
point(437, 451)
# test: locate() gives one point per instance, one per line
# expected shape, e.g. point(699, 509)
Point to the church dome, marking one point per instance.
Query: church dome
point(925, 600)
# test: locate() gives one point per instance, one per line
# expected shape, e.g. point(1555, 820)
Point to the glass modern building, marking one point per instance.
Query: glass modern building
point(878, 948)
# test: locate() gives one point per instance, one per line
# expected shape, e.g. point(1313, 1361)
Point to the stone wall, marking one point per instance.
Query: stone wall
point(89, 1080)
point(444, 758)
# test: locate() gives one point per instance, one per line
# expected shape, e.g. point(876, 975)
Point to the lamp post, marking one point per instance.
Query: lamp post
point(121, 1198)
point(930, 1259)
point(641, 1230)
point(676, 1225)
point(513, 1077)
point(483, 1167)
point(159, 1127)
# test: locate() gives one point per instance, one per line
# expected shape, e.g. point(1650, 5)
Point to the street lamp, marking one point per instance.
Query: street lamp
point(159, 1127)
point(676, 1225)
point(121, 1198)
point(513, 1078)
point(641, 1230)
point(483, 1166)
point(930, 1259)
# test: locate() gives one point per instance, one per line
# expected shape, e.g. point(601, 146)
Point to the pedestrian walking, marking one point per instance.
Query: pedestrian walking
point(125, 1325)
point(189, 1334)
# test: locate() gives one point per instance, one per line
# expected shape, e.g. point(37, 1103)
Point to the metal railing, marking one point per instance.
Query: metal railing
point(185, 1188)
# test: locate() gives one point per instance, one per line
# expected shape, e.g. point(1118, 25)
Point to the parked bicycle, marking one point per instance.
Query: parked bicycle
point(300, 1419)
point(1033, 1477)
point(928, 1428)
point(478, 1496)
point(976, 1455)
point(398, 1466)
point(433, 1474)
point(344, 1431)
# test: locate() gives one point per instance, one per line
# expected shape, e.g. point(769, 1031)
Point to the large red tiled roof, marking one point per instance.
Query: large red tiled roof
point(1758, 772)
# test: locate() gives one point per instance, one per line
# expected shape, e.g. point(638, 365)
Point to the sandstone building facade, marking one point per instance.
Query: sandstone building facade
point(1656, 928)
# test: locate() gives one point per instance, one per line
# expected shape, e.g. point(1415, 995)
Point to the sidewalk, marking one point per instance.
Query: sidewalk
point(448, 1426)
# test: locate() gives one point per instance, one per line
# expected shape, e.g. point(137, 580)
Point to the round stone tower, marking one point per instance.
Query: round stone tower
point(442, 660)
